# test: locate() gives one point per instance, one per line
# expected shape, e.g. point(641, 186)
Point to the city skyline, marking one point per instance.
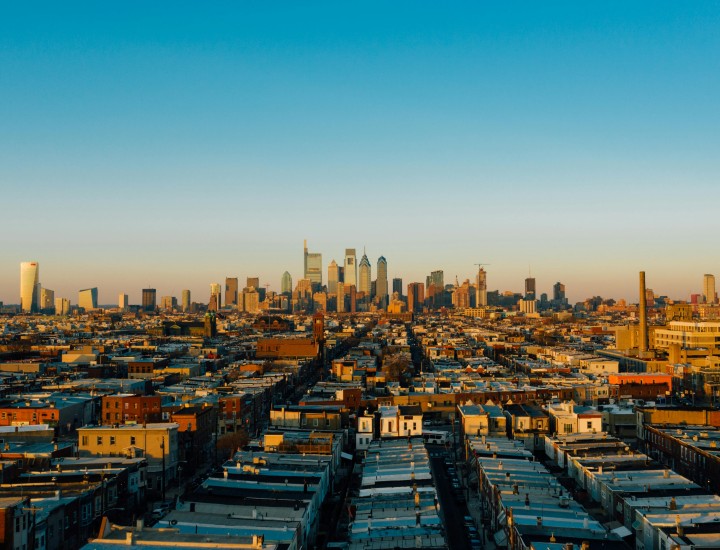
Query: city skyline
point(582, 140)
point(107, 296)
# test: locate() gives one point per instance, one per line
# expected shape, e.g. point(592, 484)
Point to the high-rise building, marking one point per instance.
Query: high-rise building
point(251, 300)
point(312, 266)
point(215, 296)
point(709, 288)
point(29, 287)
point(168, 303)
point(231, 291)
point(397, 286)
point(365, 273)
point(340, 304)
point(186, 300)
point(149, 299)
point(88, 299)
point(47, 300)
point(481, 288)
point(350, 268)
point(62, 306)
point(333, 277)
point(381, 286)
point(415, 296)
point(286, 283)
point(559, 293)
point(530, 287)
point(123, 301)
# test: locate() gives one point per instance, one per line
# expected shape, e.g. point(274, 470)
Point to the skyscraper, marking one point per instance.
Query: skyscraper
point(253, 282)
point(333, 277)
point(149, 299)
point(88, 298)
point(481, 288)
point(29, 286)
point(123, 301)
point(559, 293)
point(365, 275)
point(312, 266)
point(530, 287)
point(47, 299)
point(381, 286)
point(415, 296)
point(62, 306)
point(231, 291)
point(286, 283)
point(435, 287)
point(340, 303)
point(397, 286)
point(215, 296)
point(350, 268)
point(709, 288)
point(186, 300)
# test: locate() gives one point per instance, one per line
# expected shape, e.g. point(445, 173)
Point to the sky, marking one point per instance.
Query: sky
point(172, 144)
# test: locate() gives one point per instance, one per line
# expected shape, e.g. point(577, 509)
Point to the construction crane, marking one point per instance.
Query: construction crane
point(481, 264)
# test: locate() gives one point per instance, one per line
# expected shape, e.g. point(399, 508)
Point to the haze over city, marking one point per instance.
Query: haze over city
point(173, 146)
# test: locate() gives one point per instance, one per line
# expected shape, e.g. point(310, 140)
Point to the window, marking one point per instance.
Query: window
point(99, 440)
point(84, 440)
point(132, 440)
point(127, 405)
point(112, 440)
point(589, 425)
point(107, 416)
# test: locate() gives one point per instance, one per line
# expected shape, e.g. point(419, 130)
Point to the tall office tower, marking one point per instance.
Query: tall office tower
point(709, 288)
point(435, 287)
point(123, 301)
point(481, 288)
point(88, 298)
point(47, 299)
point(62, 306)
point(286, 283)
point(559, 293)
point(381, 286)
point(215, 296)
point(168, 303)
point(397, 286)
point(333, 277)
point(149, 299)
point(29, 286)
point(231, 291)
point(415, 296)
point(252, 282)
point(186, 300)
point(350, 268)
point(312, 266)
point(353, 298)
point(340, 303)
point(365, 273)
point(530, 287)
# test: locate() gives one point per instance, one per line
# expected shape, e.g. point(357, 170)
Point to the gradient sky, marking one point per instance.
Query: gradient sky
point(173, 144)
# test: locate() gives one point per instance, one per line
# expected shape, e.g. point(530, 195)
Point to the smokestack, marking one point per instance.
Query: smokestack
point(643, 345)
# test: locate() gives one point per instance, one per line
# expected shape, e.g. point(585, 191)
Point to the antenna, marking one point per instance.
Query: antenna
point(481, 264)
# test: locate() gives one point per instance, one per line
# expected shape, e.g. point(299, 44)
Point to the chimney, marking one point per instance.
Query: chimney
point(643, 344)
point(129, 538)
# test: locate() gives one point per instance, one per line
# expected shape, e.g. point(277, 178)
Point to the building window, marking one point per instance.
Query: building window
point(112, 440)
point(132, 440)
point(85, 440)
point(99, 440)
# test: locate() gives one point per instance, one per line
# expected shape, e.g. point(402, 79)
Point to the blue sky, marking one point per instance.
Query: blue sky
point(174, 144)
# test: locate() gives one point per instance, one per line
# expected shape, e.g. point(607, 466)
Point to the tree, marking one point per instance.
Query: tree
point(395, 366)
point(233, 441)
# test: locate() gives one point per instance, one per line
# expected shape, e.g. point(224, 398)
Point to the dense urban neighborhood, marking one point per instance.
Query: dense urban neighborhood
point(444, 427)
